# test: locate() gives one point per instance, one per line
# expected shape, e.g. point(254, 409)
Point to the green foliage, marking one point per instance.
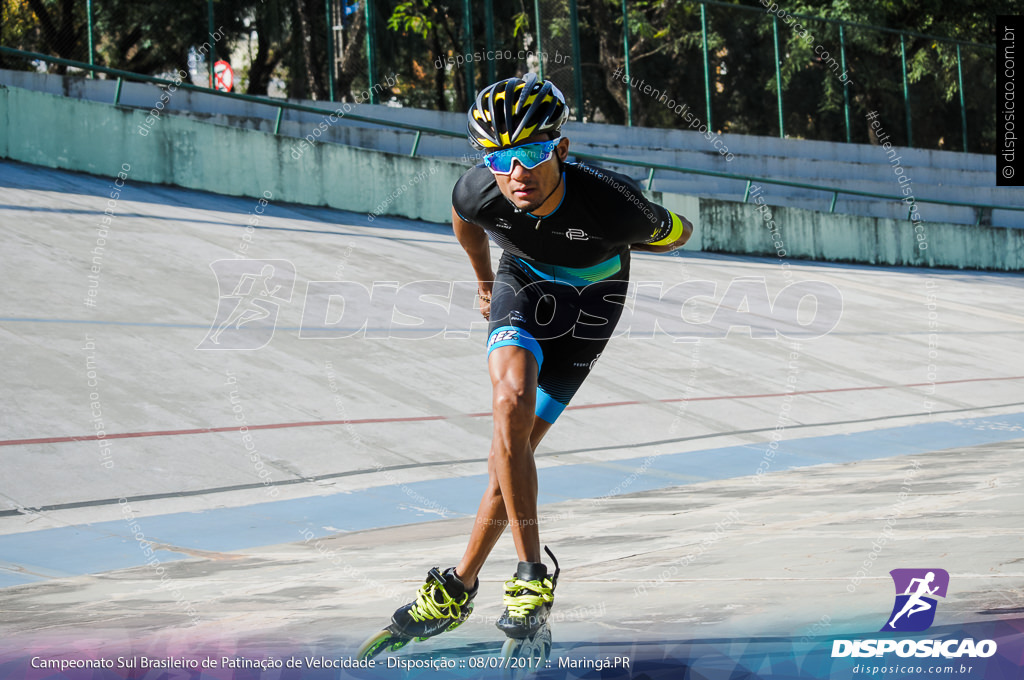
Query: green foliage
point(428, 50)
point(520, 23)
point(418, 41)
point(19, 29)
point(666, 52)
point(410, 17)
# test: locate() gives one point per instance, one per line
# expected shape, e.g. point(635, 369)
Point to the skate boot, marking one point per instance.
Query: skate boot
point(442, 603)
point(529, 596)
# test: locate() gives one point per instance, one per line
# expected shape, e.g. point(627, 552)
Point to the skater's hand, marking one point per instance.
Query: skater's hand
point(483, 294)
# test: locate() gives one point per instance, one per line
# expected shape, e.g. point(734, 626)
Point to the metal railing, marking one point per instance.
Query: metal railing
point(280, 104)
point(419, 130)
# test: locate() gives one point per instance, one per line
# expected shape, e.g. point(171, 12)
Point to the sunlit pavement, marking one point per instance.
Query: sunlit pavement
point(706, 484)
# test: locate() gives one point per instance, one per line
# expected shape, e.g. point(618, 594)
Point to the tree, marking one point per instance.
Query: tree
point(422, 45)
point(435, 24)
point(352, 54)
point(433, 52)
point(269, 22)
point(60, 29)
point(312, 66)
point(666, 52)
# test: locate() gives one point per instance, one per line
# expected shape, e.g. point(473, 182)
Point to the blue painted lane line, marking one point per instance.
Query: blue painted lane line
point(71, 551)
point(105, 546)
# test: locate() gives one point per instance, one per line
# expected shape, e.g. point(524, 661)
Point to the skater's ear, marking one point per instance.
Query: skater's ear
point(561, 152)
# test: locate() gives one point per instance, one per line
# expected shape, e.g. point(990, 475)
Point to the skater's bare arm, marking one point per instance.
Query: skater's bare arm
point(473, 240)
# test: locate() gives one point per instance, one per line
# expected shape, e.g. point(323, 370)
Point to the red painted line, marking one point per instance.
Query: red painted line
point(416, 419)
point(204, 430)
point(782, 394)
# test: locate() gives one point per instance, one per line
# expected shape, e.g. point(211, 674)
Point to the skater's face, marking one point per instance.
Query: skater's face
point(534, 190)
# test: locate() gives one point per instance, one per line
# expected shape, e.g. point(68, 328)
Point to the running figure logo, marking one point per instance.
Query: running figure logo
point(246, 316)
point(914, 610)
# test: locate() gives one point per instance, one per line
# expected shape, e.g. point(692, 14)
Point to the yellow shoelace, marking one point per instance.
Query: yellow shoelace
point(522, 597)
point(427, 607)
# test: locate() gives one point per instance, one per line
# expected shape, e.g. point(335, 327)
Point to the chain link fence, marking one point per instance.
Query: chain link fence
point(748, 69)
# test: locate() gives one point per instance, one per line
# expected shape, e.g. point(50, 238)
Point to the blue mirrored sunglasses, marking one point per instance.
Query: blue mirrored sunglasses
point(528, 155)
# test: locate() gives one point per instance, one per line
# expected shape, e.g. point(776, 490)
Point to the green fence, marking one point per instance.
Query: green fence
point(749, 69)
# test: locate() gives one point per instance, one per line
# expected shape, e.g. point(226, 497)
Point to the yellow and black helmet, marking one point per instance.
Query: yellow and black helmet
point(511, 110)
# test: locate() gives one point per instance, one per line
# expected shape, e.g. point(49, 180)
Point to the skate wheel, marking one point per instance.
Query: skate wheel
point(528, 655)
point(380, 641)
point(511, 646)
point(537, 648)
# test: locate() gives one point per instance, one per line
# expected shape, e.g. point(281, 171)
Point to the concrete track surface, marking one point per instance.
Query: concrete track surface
point(757, 450)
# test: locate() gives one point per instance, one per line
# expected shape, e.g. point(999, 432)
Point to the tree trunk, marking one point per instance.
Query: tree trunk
point(61, 40)
point(609, 51)
point(352, 61)
point(263, 65)
point(440, 74)
point(316, 88)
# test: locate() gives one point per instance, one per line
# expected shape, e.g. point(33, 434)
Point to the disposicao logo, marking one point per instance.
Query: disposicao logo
point(257, 288)
point(913, 612)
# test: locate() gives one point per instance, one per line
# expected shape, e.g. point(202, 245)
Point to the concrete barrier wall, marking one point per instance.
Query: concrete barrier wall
point(795, 233)
point(72, 134)
point(945, 175)
point(770, 231)
point(5, 125)
point(611, 137)
point(805, 234)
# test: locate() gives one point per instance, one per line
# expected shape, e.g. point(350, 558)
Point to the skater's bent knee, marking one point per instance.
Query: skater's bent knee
point(513, 401)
